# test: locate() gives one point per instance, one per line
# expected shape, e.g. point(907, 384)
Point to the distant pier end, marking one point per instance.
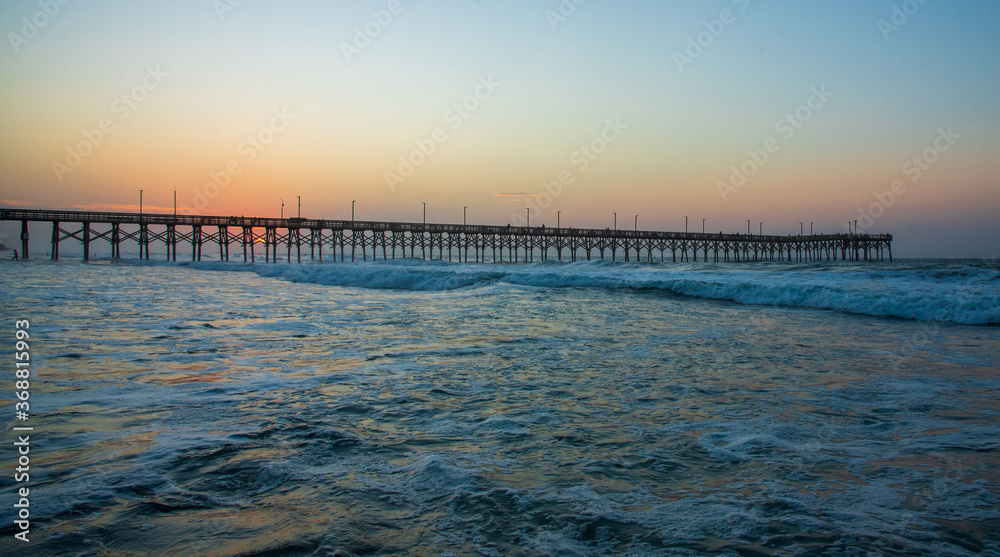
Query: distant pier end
point(353, 240)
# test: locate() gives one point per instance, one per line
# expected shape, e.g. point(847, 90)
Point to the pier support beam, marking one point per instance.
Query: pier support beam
point(171, 242)
point(144, 241)
point(196, 242)
point(24, 239)
point(55, 240)
point(116, 241)
point(86, 241)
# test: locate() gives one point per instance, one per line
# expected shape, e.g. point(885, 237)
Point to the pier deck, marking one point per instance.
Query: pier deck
point(353, 240)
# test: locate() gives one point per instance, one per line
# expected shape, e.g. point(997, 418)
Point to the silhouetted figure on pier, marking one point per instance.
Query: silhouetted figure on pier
point(15, 257)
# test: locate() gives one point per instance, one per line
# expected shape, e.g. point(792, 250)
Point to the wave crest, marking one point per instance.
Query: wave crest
point(938, 291)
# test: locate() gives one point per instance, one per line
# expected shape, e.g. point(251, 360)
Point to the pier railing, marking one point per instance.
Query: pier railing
point(518, 243)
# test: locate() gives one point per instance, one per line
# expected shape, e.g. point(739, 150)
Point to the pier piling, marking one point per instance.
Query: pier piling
point(437, 241)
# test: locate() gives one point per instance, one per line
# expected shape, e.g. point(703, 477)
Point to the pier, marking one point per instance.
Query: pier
point(347, 240)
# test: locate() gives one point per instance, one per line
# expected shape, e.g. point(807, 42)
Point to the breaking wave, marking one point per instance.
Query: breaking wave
point(963, 292)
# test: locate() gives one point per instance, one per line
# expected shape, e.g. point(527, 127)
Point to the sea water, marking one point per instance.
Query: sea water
point(428, 408)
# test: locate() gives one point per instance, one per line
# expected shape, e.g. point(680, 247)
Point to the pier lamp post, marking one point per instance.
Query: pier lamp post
point(528, 210)
point(175, 203)
point(300, 207)
point(703, 225)
point(685, 225)
point(637, 223)
point(557, 218)
point(855, 227)
point(616, 219)
point(761, 228)
point(282, 207)
point(352, 211)
point(801, 231)
point(140, 202)
point(465, 219)
point(425, 211)
point(748, 227)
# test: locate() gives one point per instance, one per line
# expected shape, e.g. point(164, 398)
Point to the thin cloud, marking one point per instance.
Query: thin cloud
point(513, 198)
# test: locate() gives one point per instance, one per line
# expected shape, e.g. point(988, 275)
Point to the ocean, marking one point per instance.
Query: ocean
point(427, 408)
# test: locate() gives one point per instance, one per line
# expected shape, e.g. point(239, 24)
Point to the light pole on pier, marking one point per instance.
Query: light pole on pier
point(465, 220)
point(685, 225)
point(616, 219)
point(300, 206)
point(801, 231)
point(637, 223)
point(175, 203)
point(761, 228)
point(528, 210)
point(557, 218)
point(855, 227)
point(140, 202)
point(703, 225)
point(748, 227)
point(352, 211)
point(425, 214)
point(282, 207)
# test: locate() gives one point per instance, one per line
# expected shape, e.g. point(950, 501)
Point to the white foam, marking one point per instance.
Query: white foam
point(937, 291)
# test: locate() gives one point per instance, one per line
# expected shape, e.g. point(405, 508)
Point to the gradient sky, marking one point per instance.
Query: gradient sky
point(200, 79)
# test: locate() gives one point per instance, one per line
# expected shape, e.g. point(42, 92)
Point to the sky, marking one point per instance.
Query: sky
point(588, 113)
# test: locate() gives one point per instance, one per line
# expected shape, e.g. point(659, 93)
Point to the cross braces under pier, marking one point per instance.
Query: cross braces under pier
point(356, 240)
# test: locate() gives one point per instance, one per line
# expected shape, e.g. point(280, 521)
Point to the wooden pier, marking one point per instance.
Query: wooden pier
point(359, 240)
